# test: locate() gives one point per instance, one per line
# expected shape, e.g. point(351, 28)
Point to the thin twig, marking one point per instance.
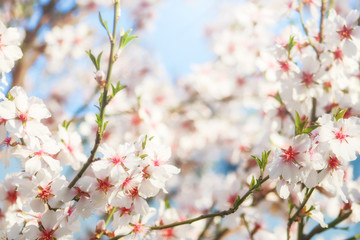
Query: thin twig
point(296, 215)
point(212, 215)
point(107, 222)
point(104, 102)
point(305, 28)
point(313, 111)
point(208, 224)
point(216, 214)
point(319, 229)
point(247, 227)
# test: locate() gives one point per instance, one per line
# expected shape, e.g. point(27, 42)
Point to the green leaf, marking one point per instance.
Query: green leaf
point(10, 97)
point(105, 125)
point(339, 113)
point(237, 201)
point(258, 161)
point(291, 207)
point(108, 99)
point(126, 38)
point(291, 43)
point(310, 128)
point(103, 23)
point(278, 98)
point(101, 99)
point(98, 60)
point(144, 142)
point(253, 182)
point(117, 89)
point(300, 124)
point(66, 124)
point(92, 58)
point(265, 157)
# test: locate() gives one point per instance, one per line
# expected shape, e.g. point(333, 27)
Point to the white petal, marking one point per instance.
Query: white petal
point(349, 48)
point(32, 165)
point(283, 189)
point(37, 205)
point(7, 110)
point(39, 111)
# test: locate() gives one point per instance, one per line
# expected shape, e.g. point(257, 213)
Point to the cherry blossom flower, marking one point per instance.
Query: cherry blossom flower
point(342, 136)
point(9, 48)
point(287, 161)
point(345, 32)
point(23, 115)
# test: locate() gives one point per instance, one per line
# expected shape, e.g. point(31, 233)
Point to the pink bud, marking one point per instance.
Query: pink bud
point(100, 226)
point(100, 78)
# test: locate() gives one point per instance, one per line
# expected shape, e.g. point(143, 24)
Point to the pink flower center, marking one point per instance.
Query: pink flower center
point(45, 193)
point(156, 162)
point(47, 235)
point(168, 233)
point(69, 148)
point(284, 66)
point(333, 163)
point(159, 99)
point(289, 154)
point(6, 142)
point(60, 41)
point(70, 210)
point(39, 153)
point(345, 33)
point(11, 196)
point(137, 228)
point(282, 112)
point(125, 211)
point(80, 193)
point(338, 54)
point(118, 160)
point(134, 192)
point(240, 81)
point(340, 135)
point(104, 185)
point(126, 182)
point(2, 121)
point(23, 117)
point(307, 78)
point(136, 120)
point(232, 48)
point(232, 198)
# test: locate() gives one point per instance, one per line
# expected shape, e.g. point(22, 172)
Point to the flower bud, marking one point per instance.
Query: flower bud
point(100, 78)
point(100, 226)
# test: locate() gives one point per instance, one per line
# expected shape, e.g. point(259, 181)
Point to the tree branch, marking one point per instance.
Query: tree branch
point(322, 16)
point(318, 229)
point(212, 215)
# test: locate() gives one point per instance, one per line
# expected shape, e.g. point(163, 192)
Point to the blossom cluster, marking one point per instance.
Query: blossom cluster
point(291, 90)
point(37, 203)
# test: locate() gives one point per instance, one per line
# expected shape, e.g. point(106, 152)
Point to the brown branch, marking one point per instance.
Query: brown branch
point(31, 51)
point(322, 16)
point(318, 229)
